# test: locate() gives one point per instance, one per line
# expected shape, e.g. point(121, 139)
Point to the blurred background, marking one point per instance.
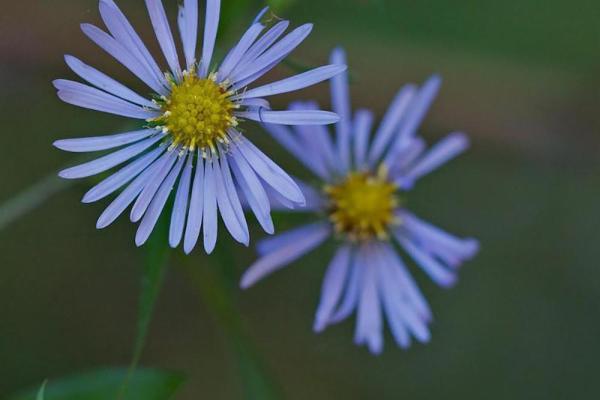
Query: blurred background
point(521, 78)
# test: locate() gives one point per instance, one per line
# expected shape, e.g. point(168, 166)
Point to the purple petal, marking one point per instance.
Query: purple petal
point(286, 254)
point(448, 148)
point(453, 249)
point(389, 290)
point(436, 271)
point(296, 82)
point(99, 143)
point(158, 204)
point(260, 15)
point(363, 122)
point(106, 83)
point(270, 172)
point(232, 191)
point(391, 121)
point(333, 286)
point(369, 327)
point(107, 162)
point(195, 213)
point(120, 178)
point(127, 196)
point(123, 32)
point(235, 55)
point(229, 204)
point(317, 148)
point(406, 157)
point(261, 45)
point(254, 192)
point(406, 284)
point(277, 242)
point(286, 137)
point(85, 96)
point(309, 117)
point(353, 289)
point(340, 97)
point(121, 54)
point(141, 205)
point(255, 103)
point(180, 207)
point(279, 51)
point(164, 34)
point(213, 9)
point(400, 312)
point(210, 208)
point(188, 28)
point(416, 113)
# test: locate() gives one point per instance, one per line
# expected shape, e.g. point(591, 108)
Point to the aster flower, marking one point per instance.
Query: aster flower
point(191, 140)
point(364, 179)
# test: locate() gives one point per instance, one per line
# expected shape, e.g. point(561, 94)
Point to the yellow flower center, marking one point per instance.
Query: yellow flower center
point(197, 113)
point(362, 206)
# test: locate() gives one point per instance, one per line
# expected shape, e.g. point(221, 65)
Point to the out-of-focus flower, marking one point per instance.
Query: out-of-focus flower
point(360, 203)
point(191, 140)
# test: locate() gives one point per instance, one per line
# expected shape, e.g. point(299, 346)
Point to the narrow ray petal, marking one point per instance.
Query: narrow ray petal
point(188, 28)
point(106, 83)
point(261, 45)
point(120, 178)
point(210, 208)
point(211, 25)
point(309, 117)
point(158, 204)
point(236, 227)
point(196, 211)
point(448, 148)
point(285, 255)
point(253, 191)
point(293, 83)
point(340, 98)
point(85, 96)
point(333, 286)
point(279, 50)
point(363, 122)
point(99, 143)
point(107, 162)
point(235, 55)
point(391, 121)
point(141, 205)
point(180, 206)
point(164, 35)
point(270, 172)
point(436, 271)
point(127, 196)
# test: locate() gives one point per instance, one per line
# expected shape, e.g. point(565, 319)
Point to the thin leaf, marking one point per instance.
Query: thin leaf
point(102, 384)
point(31, 198)
point(40, 395)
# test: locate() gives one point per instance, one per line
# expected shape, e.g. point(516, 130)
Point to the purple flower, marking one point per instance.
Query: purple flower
point(364, 179)
point(190, 142)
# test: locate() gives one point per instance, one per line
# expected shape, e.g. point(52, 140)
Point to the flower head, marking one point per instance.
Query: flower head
point(190, 139)
point(364, 179)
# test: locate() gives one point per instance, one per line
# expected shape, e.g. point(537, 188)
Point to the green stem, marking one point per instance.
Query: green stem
point(155, 266)
point(216, 290)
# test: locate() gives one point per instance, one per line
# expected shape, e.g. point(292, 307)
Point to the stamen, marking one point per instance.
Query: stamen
point(197, 113)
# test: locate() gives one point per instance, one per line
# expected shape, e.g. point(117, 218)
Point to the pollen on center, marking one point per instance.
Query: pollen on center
point(197, 113)
point(362, 206)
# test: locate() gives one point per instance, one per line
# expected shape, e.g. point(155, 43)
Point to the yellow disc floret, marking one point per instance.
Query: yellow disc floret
point(362, 206)
point(197, 113)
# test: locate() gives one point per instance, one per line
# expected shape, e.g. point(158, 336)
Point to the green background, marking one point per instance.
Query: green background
point(520, 77)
